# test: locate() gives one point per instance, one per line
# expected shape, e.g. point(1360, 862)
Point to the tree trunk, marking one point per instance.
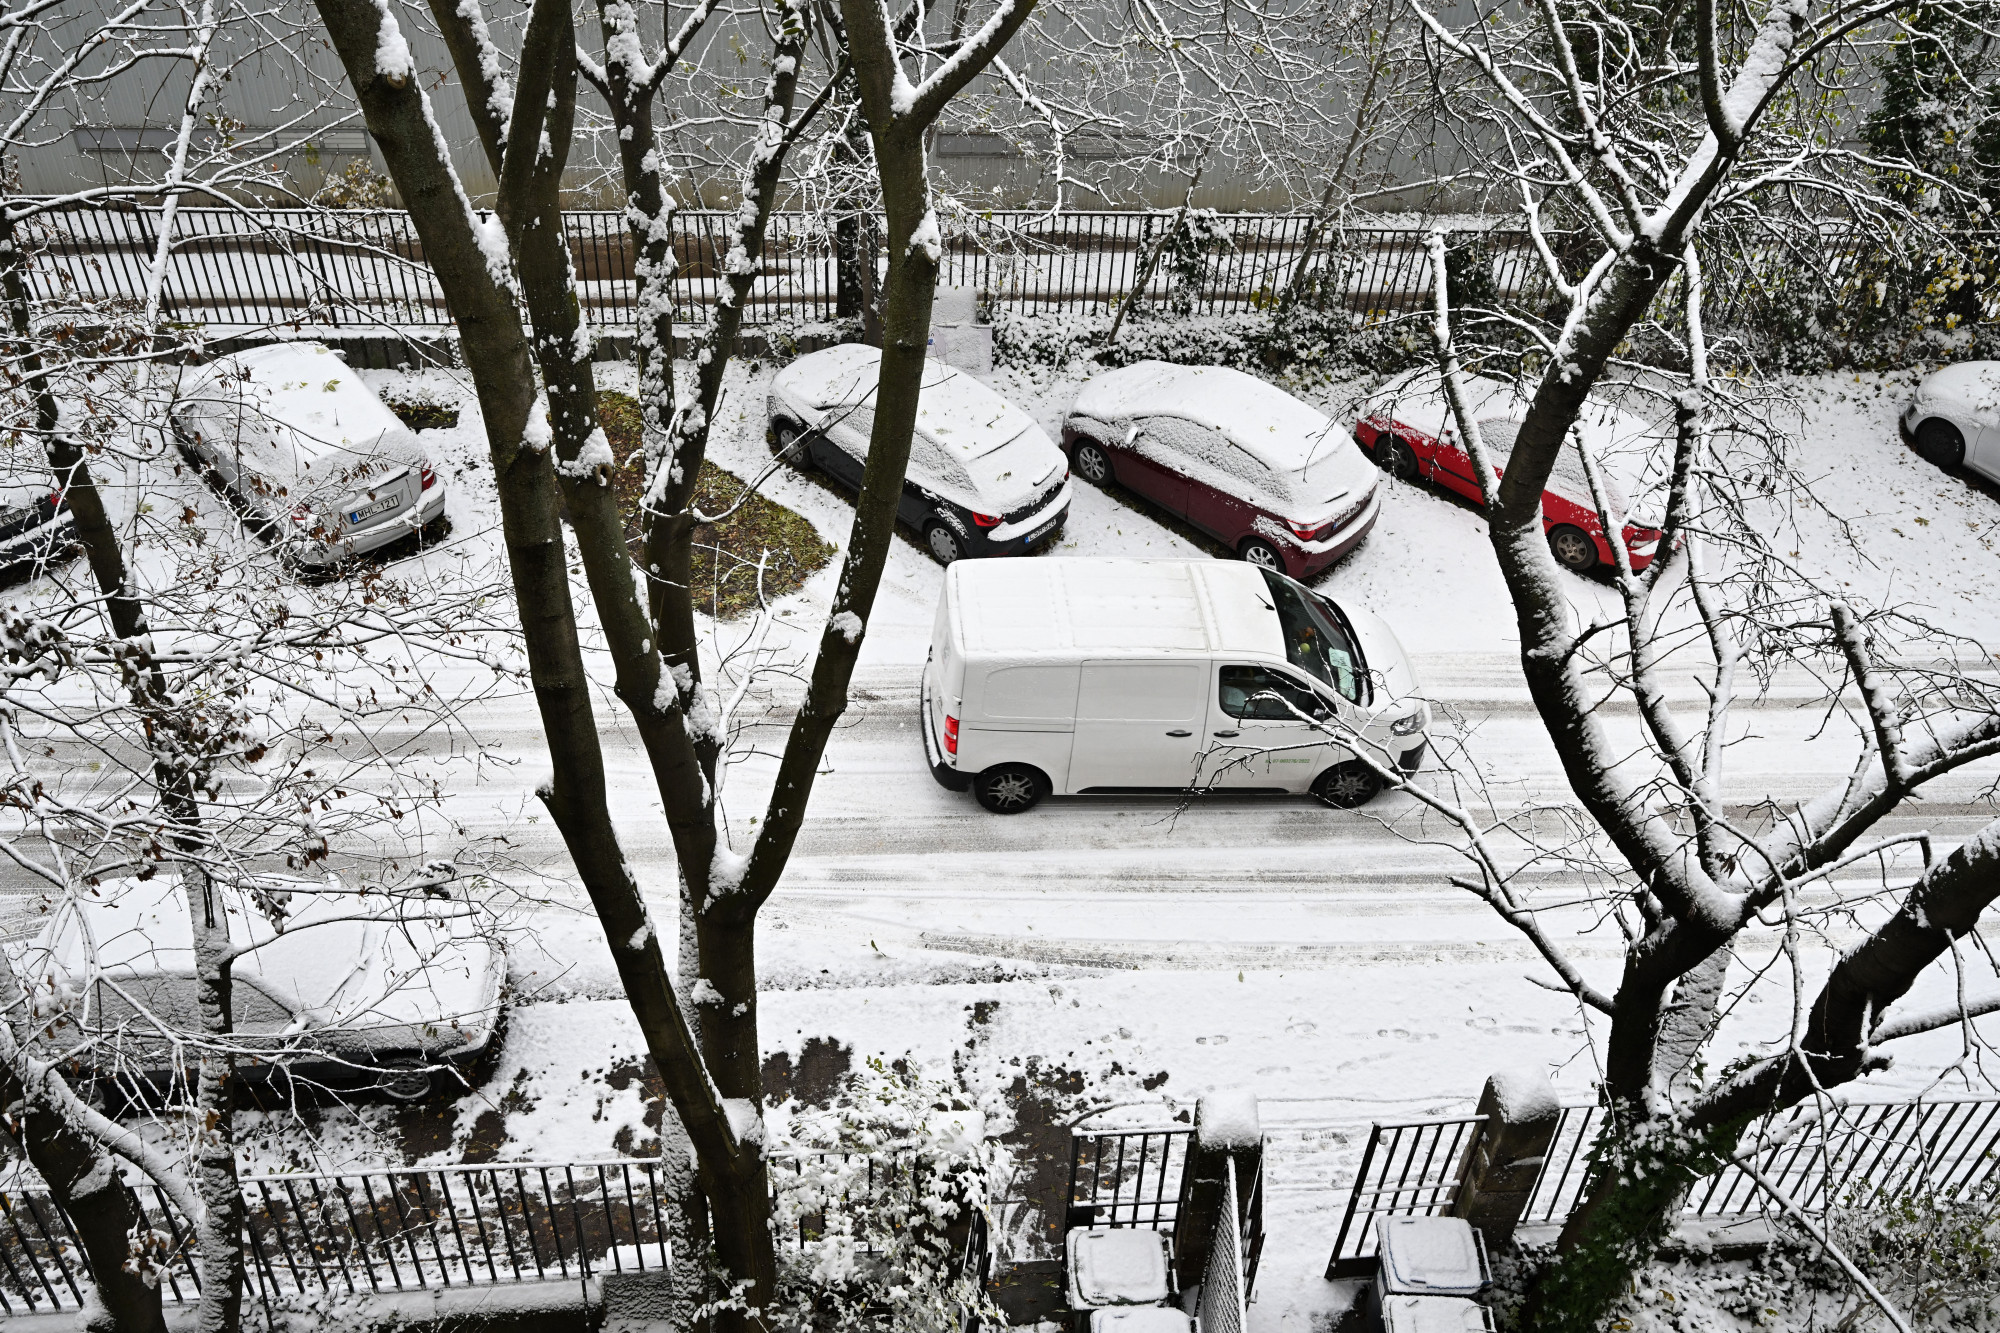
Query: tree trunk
point(83, 1178)
point(174, 758)
point(1641, 1171)
point(220, 1236)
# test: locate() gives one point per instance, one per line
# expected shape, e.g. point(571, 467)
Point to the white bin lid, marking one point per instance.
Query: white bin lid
point(1433, 1314)
point(1140, 1319)
point(1431, 1256)
point(1117, 1266)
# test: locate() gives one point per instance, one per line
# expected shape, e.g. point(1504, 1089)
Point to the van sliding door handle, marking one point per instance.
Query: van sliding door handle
point(1224, 734)
point(1182, 732)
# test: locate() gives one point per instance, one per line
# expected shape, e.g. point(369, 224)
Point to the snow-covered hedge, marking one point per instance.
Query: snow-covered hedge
point(885, 1188)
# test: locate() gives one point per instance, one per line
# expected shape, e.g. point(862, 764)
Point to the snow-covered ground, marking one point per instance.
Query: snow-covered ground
point(1317, 957)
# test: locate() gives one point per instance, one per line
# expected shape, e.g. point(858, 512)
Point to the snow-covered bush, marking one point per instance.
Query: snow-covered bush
point(877, 1198)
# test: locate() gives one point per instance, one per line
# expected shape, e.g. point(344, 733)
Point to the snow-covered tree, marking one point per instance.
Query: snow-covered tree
point(538, 399)
point(1668, 136)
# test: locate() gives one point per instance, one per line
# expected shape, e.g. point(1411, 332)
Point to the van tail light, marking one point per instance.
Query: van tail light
point(426, 476)
point(950, 734)
point(987, 520)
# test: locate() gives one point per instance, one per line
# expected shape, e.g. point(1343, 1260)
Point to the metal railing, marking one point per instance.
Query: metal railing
point(357, 270)
point(1138, 1178)
point(373, 1231)
point(1129, 1178)
point(351, 1233)
point(1407, 1170)
point(246, 269)
point(1849, 1157)
point(1225, 1294)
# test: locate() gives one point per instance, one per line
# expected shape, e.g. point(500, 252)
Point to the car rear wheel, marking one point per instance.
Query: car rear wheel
point(1261, 554)
point(945, 545)
point(1009, 789)
point(1573, 548)
point(405, 1080)
point(1940, 442)
point(1092, 464)
point(1347, 785)
point(786, 443)
point(1395, 458)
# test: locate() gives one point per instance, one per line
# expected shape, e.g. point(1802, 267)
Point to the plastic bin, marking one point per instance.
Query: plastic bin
point(1140, 1319)
point(1118, 1266)
point(1430, 1256)
point(1435, 1314)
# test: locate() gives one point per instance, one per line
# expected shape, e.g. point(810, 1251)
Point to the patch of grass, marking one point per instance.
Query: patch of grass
point(725, 553)
point(423, 416)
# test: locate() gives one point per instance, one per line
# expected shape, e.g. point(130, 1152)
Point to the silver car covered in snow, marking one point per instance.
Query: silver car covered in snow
point(344, 989)
point(309, 450)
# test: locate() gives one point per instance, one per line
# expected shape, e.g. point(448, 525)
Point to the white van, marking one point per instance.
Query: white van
point(1074, 676)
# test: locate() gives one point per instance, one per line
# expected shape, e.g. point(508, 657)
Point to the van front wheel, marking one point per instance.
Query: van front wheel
point(1347, 785)
point(1008, 789)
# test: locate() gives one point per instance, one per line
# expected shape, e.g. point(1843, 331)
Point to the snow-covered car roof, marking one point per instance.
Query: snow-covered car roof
point(343, 958)
point(1004, 452)
point(1632, 456)
point(1969, 387)
point(1289, 437)
point(299, 415)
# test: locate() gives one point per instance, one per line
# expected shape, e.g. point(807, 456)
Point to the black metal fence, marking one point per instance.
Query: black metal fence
point(1127, 1179)
point(1137, 1178)
point(361, 270)
point(373, 1231)
point(1855, 1156)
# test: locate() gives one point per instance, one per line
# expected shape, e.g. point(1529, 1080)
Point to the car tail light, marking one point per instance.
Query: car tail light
point(987, 520)
point(55, 499)
point(950, 734)
point(425, 475)
point(1309, 532)
point(301, 514)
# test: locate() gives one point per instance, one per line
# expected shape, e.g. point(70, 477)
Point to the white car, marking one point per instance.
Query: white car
point(355, 991)
point(309, 450)
point(983, 479)
point(1954, 418)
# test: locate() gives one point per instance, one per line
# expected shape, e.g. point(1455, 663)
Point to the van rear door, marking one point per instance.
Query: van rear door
point(1138, 724)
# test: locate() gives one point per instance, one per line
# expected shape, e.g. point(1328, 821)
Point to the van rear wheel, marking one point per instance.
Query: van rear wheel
point(1009, 789)
point(1347, 785)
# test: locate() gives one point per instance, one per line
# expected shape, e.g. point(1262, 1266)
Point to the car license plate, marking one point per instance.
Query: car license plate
point(1040, 532)
point(359, 516)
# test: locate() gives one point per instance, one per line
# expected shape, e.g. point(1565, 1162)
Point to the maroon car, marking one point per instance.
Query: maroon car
point(1270, 477)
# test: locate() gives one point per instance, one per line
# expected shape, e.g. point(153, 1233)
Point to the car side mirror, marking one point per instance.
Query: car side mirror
point(1131, 433)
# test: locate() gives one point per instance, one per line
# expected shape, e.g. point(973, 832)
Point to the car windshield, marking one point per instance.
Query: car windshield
point(1317, 640)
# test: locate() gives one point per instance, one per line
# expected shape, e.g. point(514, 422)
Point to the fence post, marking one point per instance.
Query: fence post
point(1505, 1159)
point(1226, 1129)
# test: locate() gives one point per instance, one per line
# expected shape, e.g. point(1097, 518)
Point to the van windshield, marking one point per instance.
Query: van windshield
point(1316, 637)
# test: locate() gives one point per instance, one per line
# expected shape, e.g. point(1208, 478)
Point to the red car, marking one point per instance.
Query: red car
point(1272, 478)
point(1407, 426)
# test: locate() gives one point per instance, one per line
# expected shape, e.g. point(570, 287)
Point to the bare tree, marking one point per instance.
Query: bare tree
point(1658, 156)
point(709, 1059)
